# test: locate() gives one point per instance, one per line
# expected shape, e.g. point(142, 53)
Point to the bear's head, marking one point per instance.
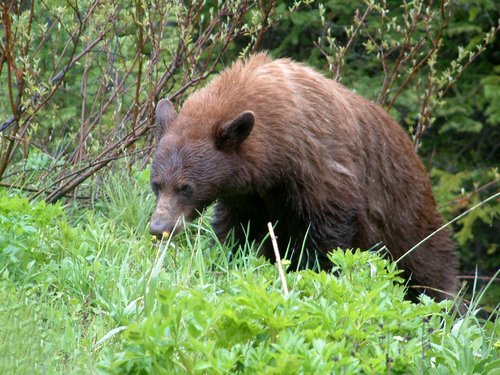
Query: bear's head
point(197, 160)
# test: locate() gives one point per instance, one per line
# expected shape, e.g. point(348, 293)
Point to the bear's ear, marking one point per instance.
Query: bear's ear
point(232, 134)
point(165, 114)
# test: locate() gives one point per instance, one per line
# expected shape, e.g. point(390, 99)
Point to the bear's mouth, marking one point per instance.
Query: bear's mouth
point(161, 228)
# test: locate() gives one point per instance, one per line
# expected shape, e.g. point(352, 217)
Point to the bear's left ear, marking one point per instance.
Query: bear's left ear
point(232, 134)
point(165, 115)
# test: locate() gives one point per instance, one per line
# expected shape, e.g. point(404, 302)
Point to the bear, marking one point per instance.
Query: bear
point(273, 140)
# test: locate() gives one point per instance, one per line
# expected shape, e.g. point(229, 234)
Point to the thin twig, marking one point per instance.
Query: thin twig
point(278, 258)
point(341, 54)
point(482, 278)
point(33, 190)
point(467, 197)
point(447, 224)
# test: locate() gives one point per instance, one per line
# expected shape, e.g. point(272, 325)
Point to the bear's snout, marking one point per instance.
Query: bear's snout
point(161, 226)
point(167, 217)
point(158, 227)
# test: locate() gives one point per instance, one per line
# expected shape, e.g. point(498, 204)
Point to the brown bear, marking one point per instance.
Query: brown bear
point(275, 141)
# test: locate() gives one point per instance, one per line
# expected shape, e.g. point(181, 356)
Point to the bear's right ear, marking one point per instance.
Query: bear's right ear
point(232, 134)
point(165, 114)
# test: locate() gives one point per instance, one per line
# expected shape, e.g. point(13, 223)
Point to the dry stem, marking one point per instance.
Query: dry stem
point(278, 258)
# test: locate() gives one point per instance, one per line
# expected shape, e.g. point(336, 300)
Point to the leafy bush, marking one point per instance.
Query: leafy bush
point(357, 322)
point(27, 234)
point(63, 284)
point(97, 299)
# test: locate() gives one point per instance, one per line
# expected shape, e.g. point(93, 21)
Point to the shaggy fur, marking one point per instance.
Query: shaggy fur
point(274, 140)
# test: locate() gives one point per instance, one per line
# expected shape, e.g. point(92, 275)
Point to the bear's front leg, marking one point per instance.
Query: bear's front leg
point(239, 225)
point(224, 221)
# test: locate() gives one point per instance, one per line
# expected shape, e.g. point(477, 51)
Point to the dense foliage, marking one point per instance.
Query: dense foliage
point(355, 323)
point(94, 297)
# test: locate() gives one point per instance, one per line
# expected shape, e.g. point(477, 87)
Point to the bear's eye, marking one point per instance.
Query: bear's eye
point(155, 187)
point(185, 189)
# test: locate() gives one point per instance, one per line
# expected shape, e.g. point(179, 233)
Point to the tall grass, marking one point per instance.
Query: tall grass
point(87, 292)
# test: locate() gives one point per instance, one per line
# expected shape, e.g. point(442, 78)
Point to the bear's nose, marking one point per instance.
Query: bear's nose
point(157, 228)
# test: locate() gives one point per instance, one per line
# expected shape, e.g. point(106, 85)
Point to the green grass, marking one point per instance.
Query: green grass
point(91, 292)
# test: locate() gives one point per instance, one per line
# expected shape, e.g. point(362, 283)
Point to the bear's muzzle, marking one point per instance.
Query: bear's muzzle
point(166, 219)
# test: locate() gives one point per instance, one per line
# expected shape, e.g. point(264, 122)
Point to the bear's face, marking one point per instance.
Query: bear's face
point(179, 179)
point(192, 165)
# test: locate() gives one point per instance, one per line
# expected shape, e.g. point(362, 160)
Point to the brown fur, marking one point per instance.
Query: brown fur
point(320, 161)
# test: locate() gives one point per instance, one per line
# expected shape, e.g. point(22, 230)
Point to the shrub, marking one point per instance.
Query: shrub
point(357, 322)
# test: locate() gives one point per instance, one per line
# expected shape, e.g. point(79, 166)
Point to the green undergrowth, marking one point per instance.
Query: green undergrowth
point(356, 322)
point(91, 292)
